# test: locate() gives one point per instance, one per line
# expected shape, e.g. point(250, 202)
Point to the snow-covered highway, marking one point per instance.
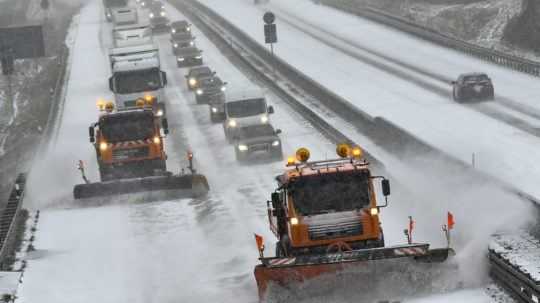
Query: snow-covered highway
point(203, 250)
point(503, 151)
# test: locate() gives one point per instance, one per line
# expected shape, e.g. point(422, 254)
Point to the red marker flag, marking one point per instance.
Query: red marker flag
point(260, 242)
point(450, 221)
point(411, 224)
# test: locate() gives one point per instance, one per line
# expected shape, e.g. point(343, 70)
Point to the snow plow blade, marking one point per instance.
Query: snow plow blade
point(177, 186)
point(284, 272)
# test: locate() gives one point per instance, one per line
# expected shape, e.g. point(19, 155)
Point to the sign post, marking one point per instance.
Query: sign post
point(270, 34)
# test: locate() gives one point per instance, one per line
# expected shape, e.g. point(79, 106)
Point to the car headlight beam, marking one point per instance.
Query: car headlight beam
point(275, 143)
point(242, 147)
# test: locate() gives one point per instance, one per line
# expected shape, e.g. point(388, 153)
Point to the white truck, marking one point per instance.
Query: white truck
point(136, 75)
point(124, 16)
point(131, 35)
point(109, 5)
point(245, 108)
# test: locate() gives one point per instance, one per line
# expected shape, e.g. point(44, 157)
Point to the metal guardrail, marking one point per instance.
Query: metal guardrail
point(8, 219)
point(518, 284)
point(380, 130)
point(402, 24)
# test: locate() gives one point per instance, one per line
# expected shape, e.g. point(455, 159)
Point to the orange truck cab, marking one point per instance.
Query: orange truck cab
point(129, 143)
point(324, 206)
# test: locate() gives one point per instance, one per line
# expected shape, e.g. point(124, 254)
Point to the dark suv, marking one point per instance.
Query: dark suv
point(473, 87)
point(195, 74)
point(189, 56)
point(259, 141)
point(208, 88)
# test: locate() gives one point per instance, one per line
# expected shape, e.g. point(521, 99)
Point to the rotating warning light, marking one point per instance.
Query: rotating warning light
point(343, 150)
point(302, 154)
point(357, 152)
point(109, 107)
point(100, 104)
point(140, 102)
point(291, 161)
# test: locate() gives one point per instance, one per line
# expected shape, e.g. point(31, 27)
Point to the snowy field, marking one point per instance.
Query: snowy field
point(203, 250)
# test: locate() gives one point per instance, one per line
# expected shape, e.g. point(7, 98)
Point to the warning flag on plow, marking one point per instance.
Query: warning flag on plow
point(450, 221)
point(260, 244)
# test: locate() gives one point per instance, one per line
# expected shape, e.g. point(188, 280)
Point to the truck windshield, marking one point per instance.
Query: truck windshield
point(114, 3)
point(137, 81)
point(127, 127)
point(246, 108)
point(330, 193)
point(254, 131)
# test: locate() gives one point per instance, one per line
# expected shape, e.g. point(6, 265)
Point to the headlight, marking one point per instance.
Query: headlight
point(188, 29)
point(103, 146)
point(199, 91)
point(198, 57)
point(191, 43)
point(173, 31)
point(162, 14)
point(294, 221)
point(264, 119)
point(157, 140)
point(242, 147)
point(192, 81)
point(151, 15)
point(223, 88)
point(232, 123)
point(159, 113)
point(275, 143)
point(180, 59)
point(175, 45)
point(214, 110)
point(374, 211)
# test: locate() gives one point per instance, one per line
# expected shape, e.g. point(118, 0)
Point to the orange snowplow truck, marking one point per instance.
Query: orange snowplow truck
point(128, 143)
point(131, 156)
point(325, 215)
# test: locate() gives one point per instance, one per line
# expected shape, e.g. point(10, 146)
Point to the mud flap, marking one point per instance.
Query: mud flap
point(192, 185)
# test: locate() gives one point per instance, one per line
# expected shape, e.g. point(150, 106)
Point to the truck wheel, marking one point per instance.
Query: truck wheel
point(239, 157)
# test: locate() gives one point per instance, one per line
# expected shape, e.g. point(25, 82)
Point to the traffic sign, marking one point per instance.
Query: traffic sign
point(22, 42)
point(44, 4)
point(269, 18)
point(270, 33)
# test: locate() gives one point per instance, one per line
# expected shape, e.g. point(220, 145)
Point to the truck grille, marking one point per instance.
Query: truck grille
point(259, 147)
point(350, 227)
point(126, 154)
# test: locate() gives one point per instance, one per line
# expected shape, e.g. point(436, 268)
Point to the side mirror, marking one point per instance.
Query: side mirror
point(385, 183)
point(453, 82)
point(111, 84)
point(165, 125)
point(213, 73)
point(270, 109)
point(278, 131)
point(164, 78)
point(275, 200)
point(225, 83)
point(91, 134)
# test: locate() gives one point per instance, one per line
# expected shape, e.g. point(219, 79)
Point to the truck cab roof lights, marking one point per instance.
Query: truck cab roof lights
point(302, 154)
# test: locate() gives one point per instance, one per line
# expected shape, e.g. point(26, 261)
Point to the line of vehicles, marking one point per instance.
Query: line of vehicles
point(129, 135)
point(244, 113)
point(324, 213)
